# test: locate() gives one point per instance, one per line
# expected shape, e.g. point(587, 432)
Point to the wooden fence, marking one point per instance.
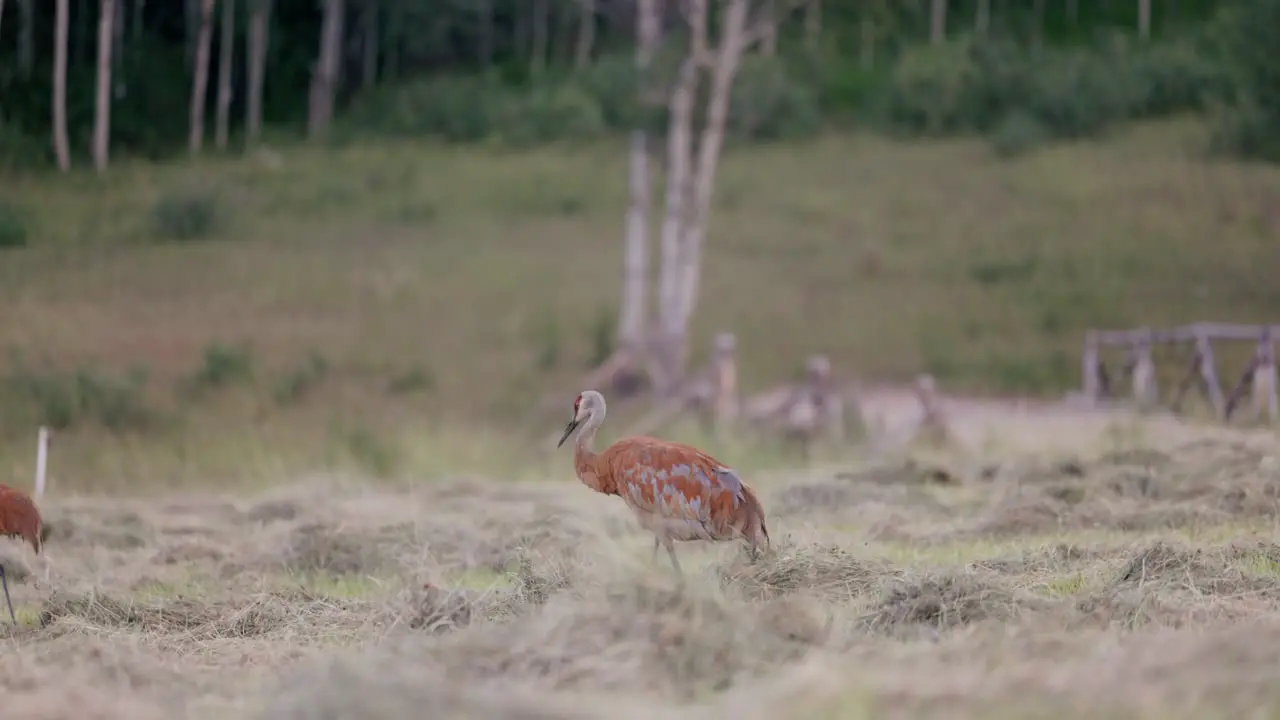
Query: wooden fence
point(1258, 378)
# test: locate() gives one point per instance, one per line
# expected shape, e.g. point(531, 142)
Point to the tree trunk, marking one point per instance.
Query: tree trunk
point(541, 37)
point(938, 22)
point(256, 42)
point(226, 56)
point(369, 45)
point(27, 36)
point(728, 59)
point(324, 78)
point(102, 107)
point(635, 273)
point(679, 148)
point(62, 28)
point(982, 20)
point(587, 39)
point(1144, 19)
point(200, 84)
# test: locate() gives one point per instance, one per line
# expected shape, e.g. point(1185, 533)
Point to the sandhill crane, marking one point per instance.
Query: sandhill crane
point(18, 518)
point(677, 492)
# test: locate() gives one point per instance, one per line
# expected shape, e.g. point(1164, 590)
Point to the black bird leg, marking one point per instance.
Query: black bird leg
point(4, 580)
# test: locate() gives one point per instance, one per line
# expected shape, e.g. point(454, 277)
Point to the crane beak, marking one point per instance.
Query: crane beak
point(568, 430)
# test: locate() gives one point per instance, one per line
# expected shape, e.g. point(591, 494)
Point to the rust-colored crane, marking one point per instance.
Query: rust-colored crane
point(19, 518)
point(678, 492)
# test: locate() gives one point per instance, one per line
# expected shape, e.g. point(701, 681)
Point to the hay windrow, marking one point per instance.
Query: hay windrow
point(827, 570)
point(946, 601)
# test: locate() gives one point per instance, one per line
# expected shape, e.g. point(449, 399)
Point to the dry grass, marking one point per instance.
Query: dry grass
point(450, 288)
point(1155, 597)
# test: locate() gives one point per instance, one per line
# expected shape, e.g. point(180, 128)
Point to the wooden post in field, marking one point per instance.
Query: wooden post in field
point(1264, 377)
point(724, 382)
point(1091, 366)
point(1145, 392)
point(42, 461)
point(1203, 368)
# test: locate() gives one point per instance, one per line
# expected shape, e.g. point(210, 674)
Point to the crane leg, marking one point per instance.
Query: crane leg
point(671, 551)
point(4, 581)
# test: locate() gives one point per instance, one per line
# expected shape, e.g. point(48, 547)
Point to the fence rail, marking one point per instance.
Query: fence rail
point(1258, 378)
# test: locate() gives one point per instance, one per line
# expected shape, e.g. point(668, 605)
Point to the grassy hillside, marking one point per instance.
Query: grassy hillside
point(370, 303)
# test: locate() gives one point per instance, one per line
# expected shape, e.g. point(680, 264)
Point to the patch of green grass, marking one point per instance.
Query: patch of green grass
point(1260, 564)
point(342, 587)
point(470, 314)
point(480, 579)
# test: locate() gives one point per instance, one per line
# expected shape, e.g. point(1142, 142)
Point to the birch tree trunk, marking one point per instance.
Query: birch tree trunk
point(256, 49)
point(226, 56)
point(679, 147)
point(102, 104)
point(635, 274)
point(62, 28)
point(324, 79)
point(200, 83)
point(728, 59)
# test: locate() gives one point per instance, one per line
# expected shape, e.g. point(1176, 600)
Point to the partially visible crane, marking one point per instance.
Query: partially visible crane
point(19, 518)
point(678, 492)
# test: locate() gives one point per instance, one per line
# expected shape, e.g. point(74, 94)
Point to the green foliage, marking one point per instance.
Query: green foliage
point(302, 380)
point(770, 103)
point(221, 367)
point(64, 400)
point(1017, 134)
point(1248, 122)
point(1023, 96)
point(13, 225)
point(188, 215)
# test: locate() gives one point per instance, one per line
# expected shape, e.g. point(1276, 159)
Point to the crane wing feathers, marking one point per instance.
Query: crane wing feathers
point(674, 480)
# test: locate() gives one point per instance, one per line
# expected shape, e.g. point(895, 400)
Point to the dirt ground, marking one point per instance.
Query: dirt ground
point(1133, 575)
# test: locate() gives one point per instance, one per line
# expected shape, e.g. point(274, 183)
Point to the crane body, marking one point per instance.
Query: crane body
point(677, 492)
point(19, 518)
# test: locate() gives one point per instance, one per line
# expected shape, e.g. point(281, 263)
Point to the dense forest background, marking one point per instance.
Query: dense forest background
point(529, 71)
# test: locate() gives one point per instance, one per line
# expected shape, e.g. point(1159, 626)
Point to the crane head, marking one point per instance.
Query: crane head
point(573, 422)
point(589, 405)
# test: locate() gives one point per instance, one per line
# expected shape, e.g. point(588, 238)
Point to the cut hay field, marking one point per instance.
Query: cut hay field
point(316, 496)
point(395, 309)
point(1141, 581)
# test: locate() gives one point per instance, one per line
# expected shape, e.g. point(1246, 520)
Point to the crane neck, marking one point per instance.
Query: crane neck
point(585, 442)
